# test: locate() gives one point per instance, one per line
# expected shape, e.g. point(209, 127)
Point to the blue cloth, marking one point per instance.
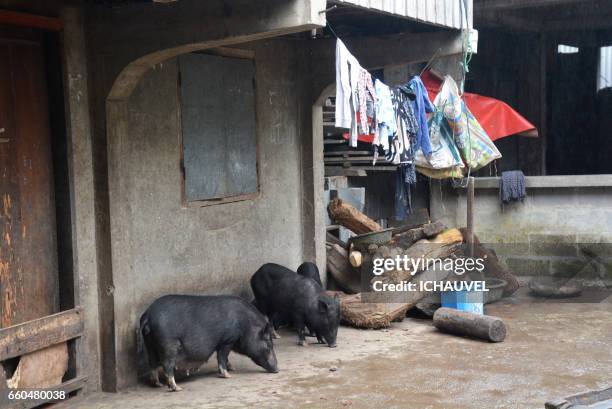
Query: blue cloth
point(421, 106)
point(404, 177)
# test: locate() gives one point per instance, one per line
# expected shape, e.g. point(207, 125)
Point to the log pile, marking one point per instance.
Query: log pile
point(429, 241)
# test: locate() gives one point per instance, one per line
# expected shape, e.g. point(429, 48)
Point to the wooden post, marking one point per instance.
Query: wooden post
point(470, 216)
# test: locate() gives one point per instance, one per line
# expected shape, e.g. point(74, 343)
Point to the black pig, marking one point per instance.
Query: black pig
point(179, 329)
point(282, 294)
point(310, 270)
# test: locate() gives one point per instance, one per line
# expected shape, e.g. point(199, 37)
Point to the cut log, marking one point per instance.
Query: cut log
point(493, 266)
point(356, 258)
point(406, 238)
point(369, 315)
point(469, 324)
point(341, 270)
point(425, 249)
point(409, 237)
point(348, 216)
point(449, 236)
point(433, 229)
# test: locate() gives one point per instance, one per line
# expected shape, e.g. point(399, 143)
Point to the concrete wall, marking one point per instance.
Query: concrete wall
point(563, 228)
point(158, 245)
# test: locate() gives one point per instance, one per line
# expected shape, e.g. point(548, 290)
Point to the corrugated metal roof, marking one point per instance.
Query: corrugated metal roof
point(445, 13)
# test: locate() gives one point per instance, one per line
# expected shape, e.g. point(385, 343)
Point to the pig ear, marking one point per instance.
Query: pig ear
point(322, 306)
point(267, 330)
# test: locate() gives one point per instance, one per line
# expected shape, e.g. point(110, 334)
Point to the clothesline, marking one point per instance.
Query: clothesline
point(439, 139)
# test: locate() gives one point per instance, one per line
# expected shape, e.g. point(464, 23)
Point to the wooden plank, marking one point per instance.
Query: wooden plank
point(347, 152)
point(355, 159)
point(40, 369)
point(67, 387)
point(376, 168)
point(40, 333)
point(340, 171)
point(28, 250)
point(16, 18)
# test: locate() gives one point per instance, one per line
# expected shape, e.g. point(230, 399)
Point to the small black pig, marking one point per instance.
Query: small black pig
point(187, 329)
point(281, 294)
point(310, 270)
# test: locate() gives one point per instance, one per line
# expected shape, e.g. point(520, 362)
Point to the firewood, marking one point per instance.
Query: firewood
point(369, 315)
point(433, 229)
point(346, 215)
point(469, 324)
point(449, 236)
point(355, 258)
point(341, 270)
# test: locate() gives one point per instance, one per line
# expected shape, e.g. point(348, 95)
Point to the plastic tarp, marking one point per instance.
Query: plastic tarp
point(496, 117)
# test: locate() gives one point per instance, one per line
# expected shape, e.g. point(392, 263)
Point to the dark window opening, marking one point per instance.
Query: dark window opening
point(217, 97)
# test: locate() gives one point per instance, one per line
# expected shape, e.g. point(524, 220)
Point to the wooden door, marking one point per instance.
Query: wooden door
point(28, 243)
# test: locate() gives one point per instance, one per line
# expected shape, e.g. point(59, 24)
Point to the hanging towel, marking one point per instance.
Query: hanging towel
point(422, 106)
point(512, 187)
point(348, 71)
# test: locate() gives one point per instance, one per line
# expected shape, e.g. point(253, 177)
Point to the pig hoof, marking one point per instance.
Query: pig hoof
point(157, 384)
point(224, 374)
point(176, 389)
point(303, 343)
point(275, 335)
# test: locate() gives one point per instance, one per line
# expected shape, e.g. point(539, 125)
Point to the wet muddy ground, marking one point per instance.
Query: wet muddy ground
point(552, 350)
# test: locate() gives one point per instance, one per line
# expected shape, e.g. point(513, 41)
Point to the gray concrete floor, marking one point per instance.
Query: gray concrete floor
point(552, 350)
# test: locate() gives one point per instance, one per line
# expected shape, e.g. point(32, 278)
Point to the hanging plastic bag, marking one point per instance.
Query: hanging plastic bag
point(455, 172)
point(471, 139)
point(444, 152)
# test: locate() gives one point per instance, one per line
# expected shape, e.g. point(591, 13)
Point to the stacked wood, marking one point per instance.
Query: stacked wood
point(341, 270)
point(493, 266)
point(469, 324)
point(444, 245)
point(360, 314)
point(344, 214)
point(406, 238)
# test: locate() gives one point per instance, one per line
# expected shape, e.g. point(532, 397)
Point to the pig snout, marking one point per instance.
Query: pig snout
point(271, 365)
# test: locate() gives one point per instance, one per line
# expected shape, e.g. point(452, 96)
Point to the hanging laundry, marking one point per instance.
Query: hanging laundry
point(366, 98)
point(385, 116)
point(348, 72)
point(512, 187)
point(422, 106)
point(404, 177)
point(403, 141)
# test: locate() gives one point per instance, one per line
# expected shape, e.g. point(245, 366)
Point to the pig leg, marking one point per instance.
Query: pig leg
point(275, 324)
point(155, 377)
point(300, 327)
point(222, 360)
point(169, 362)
